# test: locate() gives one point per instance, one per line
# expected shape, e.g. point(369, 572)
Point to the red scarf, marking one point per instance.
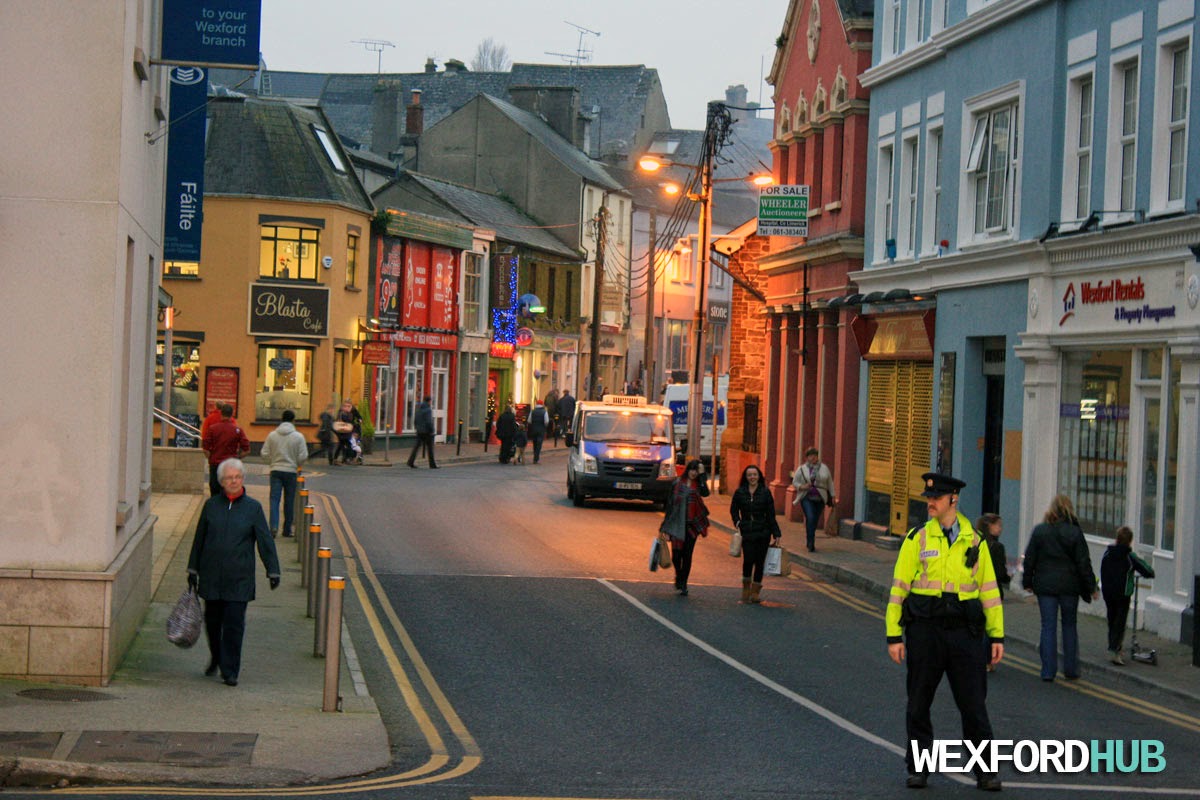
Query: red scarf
point(697, 512)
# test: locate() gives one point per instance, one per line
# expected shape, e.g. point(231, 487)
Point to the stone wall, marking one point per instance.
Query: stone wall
point(179, 470)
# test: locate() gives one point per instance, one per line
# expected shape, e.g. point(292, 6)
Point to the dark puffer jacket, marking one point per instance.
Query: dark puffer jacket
point(223, 548)
point(754, 515)
point(1057, 561)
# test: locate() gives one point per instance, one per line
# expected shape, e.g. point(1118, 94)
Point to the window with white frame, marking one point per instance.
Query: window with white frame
point(892, 32)
point(1121, 182)
point(472, 298)
point(907, 244)
point(915, 23)
point(991, 169)
point(1077, 163)
point(937, 16)
point(931, 229)
point(884, 194)
point(1172, 87)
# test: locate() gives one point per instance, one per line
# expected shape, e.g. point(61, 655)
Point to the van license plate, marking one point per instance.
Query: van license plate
point(626, 485)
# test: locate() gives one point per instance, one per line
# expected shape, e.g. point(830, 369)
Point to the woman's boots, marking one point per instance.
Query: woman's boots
point(745, 590)
point(755, 588)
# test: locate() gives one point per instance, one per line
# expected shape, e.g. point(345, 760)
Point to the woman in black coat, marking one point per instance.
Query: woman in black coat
point(506, 429)
point(1058, 569)
point(221, 566)
point(753, 514)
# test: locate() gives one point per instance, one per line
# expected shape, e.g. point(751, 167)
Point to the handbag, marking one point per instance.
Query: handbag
point(674, 524)
point(654, 545)
point(664, 552)
point(185, 620)
point(341, 426)
point(735, 544)
point(774, 562)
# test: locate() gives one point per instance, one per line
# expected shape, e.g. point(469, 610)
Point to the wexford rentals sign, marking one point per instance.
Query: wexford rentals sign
point(1134, 301)
point(288, 310)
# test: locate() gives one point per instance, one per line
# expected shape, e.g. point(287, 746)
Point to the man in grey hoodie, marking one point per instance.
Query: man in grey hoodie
point(285, 450)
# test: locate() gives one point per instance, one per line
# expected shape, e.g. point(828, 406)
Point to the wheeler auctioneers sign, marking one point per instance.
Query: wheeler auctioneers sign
point(288, 310)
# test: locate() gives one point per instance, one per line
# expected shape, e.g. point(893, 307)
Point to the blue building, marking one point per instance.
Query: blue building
point(1027, 313)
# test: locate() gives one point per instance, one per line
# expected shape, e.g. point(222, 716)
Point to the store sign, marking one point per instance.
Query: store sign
point(377, 353)
point(524, 337)
point(220, 387)
point(184, 201)
point(389, 265)
point(281, 364)
point(212, 33)
point(718, 311)
point(427, 296)
point(783, 211)
point(502, 350)
point(283, 310)
point(1112, 301)
point(565, 344)
point(425, 340)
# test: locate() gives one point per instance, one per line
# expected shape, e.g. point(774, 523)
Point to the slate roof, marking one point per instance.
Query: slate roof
point(486, 210)
point(570, 155)
point(619, 92)
point(267, 148)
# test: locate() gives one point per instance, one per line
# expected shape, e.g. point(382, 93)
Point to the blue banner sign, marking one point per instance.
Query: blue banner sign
point(211, 32)
point(185, 164)
point(679, 412)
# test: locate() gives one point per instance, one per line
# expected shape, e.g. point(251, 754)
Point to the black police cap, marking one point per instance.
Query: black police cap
point(937, 484)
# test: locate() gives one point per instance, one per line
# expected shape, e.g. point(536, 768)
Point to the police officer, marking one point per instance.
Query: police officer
point(944, 600)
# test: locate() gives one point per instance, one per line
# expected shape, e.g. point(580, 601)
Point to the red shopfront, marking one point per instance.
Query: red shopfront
point(416, 305)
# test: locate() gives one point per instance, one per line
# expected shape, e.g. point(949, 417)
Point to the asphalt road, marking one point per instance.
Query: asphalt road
point(541, 659)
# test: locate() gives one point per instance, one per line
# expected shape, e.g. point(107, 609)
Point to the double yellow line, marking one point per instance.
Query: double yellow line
point(1137, 705)
point(442, 765)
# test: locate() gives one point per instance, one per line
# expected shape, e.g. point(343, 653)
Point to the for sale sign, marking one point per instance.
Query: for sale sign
point(783, 211)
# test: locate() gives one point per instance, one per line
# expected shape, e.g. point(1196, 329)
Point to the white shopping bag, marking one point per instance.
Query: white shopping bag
point(774, 563)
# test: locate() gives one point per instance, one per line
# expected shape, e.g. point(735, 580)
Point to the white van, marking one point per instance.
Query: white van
point(620, 447)
point(676, 399)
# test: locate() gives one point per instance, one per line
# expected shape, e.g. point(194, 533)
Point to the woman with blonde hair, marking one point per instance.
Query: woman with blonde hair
point(1058, 569)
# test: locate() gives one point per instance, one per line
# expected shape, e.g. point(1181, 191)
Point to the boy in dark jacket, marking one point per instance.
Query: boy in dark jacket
point(1119, 569)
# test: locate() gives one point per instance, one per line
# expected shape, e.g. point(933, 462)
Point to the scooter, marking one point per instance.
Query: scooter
point(1136, 653)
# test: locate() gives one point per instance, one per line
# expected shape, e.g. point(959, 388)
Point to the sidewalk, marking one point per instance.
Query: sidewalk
point(868, 567)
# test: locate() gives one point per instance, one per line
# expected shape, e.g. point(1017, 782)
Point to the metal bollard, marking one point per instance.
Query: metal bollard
point(458, 438)
point(298, 502)
point(332, 701)
point(310, 562)
point(324, 556)
point(306, 517)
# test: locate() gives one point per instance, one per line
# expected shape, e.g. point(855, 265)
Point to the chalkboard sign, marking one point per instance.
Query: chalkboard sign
point(186, 439)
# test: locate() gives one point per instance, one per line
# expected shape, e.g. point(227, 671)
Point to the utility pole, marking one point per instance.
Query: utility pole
point(652, 258)
point(696, 397)
point(597, 290)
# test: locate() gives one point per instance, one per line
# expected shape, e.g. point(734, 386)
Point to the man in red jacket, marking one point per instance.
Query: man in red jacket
point(224, 439)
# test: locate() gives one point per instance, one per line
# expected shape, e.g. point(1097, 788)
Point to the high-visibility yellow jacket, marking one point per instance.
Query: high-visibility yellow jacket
point(929, 565)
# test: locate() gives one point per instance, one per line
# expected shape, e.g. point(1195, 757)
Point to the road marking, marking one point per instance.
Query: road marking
point(849, 726)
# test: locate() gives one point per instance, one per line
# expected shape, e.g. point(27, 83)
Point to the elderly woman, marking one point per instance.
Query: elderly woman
point(221, 566)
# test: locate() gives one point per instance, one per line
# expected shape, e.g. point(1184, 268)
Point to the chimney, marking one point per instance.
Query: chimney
point(430, 65)
point(385, 117)
point(736, 96)
point(453, 65)
point(414, 121)
point(557, 105)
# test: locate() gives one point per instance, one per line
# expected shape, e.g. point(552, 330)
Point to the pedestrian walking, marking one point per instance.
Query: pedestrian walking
point(325, 435)
point(990, 526)
point(223, 439)
point(813, 483)
point(566, 410)
point(686, 520)
point(284, 450)
point(943, 602)
point(347, 424)
point(1058, 569)
point(1119, 569)
point(221, 566)
point(752, 510)
point(539, 424)
point(519, 440)
point(506, 428)
point(423, 422)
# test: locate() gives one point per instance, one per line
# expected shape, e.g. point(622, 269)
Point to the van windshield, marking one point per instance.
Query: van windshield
point(617, 426)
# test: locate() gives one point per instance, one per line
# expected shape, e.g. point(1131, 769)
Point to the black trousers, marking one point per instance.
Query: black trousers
point(681, 559)
point(537, 441)
point(225, 624)
point(754, 558)
point(1118, 614)
point(214, 485)
point(424, 442)
point(933, 650)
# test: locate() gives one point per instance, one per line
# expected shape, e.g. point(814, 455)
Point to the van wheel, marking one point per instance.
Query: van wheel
point(570, 489)
point(577, 497)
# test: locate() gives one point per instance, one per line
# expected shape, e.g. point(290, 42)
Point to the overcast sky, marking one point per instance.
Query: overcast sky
point(699, 47)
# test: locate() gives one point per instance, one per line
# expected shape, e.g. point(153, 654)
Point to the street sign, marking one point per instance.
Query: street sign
point(783, 211)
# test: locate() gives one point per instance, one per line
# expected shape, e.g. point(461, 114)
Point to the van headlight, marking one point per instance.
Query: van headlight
point(589, 465)
point(666, 469)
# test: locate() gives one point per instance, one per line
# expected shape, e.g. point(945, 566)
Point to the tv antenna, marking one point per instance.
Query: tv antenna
point(581, 55)
point(375, 46)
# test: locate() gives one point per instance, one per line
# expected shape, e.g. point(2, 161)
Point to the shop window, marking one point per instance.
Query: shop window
point(185, 380)
point(289, 253)
point(472, 294)
point(284, 382)
point(1094, 437)
point(181, 269)
point(414, 387)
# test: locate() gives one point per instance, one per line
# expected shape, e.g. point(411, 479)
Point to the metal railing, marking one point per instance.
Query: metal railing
point(178, 424)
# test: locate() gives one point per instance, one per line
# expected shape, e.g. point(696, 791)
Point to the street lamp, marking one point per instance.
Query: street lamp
point(716, 132)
